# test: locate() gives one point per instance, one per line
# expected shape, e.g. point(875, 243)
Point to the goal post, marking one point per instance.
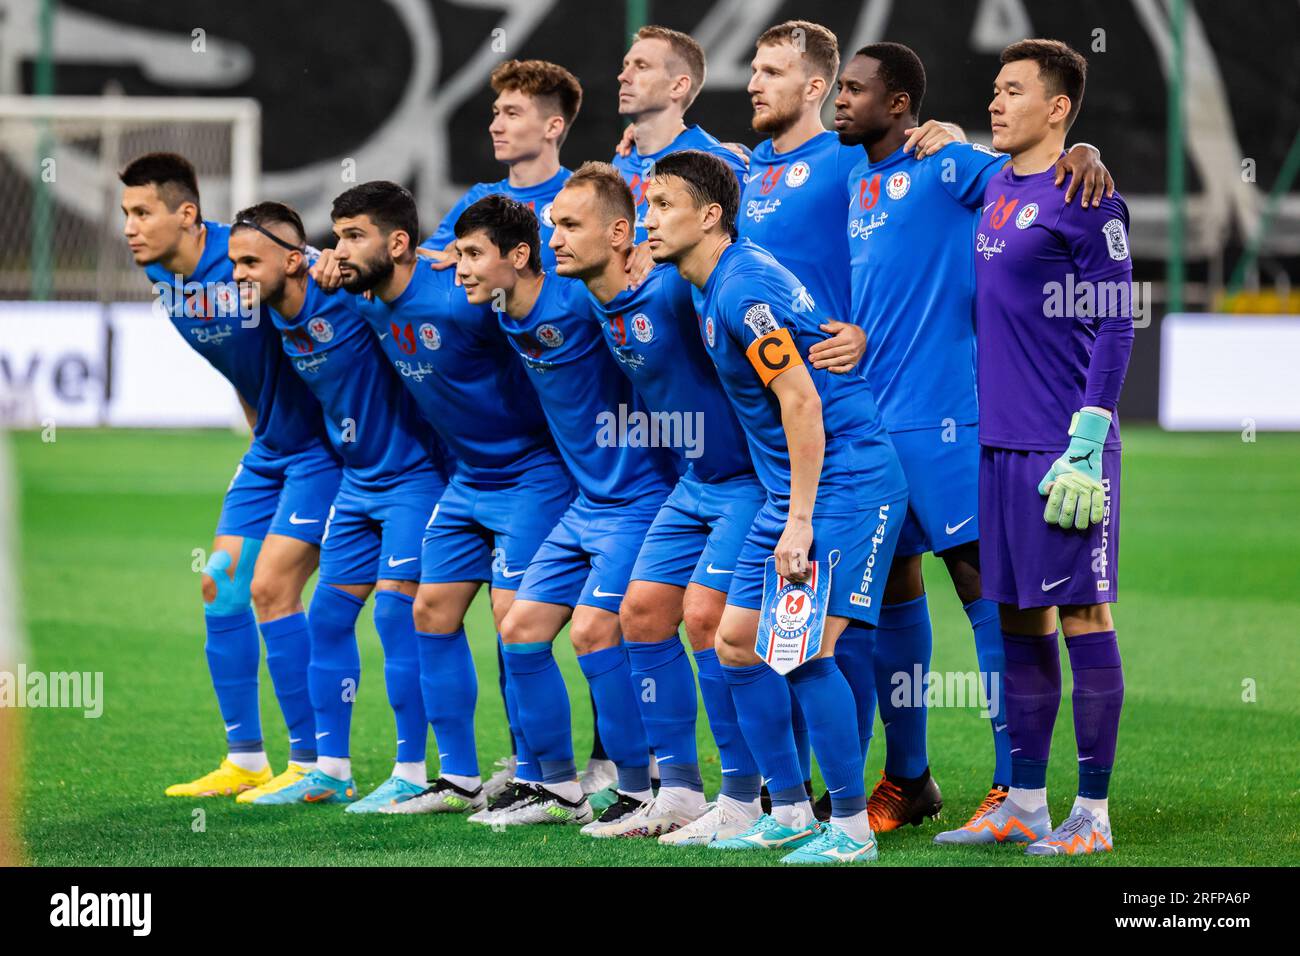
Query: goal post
point(60, 237)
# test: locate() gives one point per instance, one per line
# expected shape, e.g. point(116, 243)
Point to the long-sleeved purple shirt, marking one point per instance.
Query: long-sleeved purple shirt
point(1054, 315)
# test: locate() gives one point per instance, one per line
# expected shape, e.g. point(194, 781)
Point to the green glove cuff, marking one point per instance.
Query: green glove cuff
point(1090, 426)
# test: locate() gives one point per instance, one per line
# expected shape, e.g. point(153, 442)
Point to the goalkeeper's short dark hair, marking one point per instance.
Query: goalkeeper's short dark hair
point(170, 173)
point(708, 180)
point(507, 224)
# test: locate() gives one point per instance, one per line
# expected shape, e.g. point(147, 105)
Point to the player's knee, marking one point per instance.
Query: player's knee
point(230, 594)
point(433, 616)
point(272, 596)
point(517, 628)
point(904, 582)
point(1086, 619)
point(638, 620)
point(701, 622)
point(964, 569)
point(588, 638)
point(734, 649)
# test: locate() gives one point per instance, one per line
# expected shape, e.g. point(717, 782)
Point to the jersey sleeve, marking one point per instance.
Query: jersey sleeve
point(738, 166)
point(965, 169)
point(759, 321)
point(1098, 243)
point(445, 234)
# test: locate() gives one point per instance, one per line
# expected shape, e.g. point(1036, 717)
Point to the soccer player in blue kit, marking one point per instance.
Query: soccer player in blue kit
point(688, 557)
point(663, 73)
point(534, 110)
point(392, 475)
point(835, 495)
point(909, 225)
point(582, 569)
point(506, 492)
point(268, 536)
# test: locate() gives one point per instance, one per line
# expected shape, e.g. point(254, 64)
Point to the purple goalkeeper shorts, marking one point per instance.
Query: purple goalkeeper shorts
point(1026, 562)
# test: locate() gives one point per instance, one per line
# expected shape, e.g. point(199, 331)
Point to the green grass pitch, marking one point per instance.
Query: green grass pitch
point(1210, 606)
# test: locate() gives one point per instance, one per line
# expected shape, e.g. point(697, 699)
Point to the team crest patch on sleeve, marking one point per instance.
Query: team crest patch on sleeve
point(793, 617)
point(1116, 241)
point(320, 329)
point(429, 337)
point(708, 332)
point(760, 320)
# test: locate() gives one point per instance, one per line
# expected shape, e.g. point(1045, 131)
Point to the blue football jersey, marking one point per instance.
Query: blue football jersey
point(537, 198)
point(636, 168)
point(793, 205)
point(585, 396)
point(910, 227)
point(758, 320)
point(372, 421)
point(654, 333)
point(464, 376)
point(205, 310)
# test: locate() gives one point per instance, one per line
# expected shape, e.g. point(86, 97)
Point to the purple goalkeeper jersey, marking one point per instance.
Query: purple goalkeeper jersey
point(1053, 310)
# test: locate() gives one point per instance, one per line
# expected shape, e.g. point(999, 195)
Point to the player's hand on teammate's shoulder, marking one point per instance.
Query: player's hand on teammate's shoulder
point(624, 147)
point(739, 149)
point(440, 259)
point(930, 137)
point(1089, 177)
point(638, 265)
point(843, 350)
point(326, 272)
point(793, 548)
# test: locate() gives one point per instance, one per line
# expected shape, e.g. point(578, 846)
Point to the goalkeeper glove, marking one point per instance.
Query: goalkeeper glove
point(1073, 483)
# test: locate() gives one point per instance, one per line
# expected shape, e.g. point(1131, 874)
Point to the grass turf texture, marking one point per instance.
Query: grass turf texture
point(109, 521)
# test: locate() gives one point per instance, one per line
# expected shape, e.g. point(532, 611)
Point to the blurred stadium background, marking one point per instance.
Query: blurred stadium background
point(1195, 105)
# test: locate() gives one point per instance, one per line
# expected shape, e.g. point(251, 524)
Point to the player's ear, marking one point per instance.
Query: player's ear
point(712, 216)
point(189, 214)
point(619, 231)
point(399, 243)
point(817, 88)
point(1060, 109)
point(520, 255)
point(554, 127)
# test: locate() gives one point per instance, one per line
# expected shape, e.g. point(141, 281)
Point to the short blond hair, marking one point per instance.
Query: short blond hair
point(685, 50)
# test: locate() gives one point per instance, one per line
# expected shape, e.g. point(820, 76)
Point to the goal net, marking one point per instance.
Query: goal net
point(61, 232)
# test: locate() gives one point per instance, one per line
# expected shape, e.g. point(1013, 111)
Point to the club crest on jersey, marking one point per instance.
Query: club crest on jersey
point(642, 327)
point(550, 336)
point(225, 300)
point(1027, 215)
point(898, 185)
point(759, 319)
point(429, 337)
point(320, 329)
point(546, 216)
point(708, 331)
point(1116, 241)
point(798, 174)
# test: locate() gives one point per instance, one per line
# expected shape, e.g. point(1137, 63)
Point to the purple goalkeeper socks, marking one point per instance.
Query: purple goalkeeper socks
point(1098, 698)
point(1033, 696)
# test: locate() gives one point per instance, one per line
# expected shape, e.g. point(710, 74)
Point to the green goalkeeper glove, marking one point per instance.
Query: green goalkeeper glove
point(1073, 483)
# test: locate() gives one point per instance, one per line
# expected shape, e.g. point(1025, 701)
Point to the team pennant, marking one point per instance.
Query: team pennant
point(794, 616)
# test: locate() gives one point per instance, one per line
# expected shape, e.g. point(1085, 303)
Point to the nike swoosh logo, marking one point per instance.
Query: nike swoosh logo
point(440, 756)
point(401, 741)
point(712, 570)
point(1048, 587)
point(838, 789)
point(323, 733)
point(1082, 759)
point(393, 563)
point(999, 727)
point(661, 759)
point(1015, 750)
point(730, 769)
point(309, 798)
point(233, 727)
point(766, 780)
point(382, 336)
point(295, 740)
point(599, 593)
point(294, 519)
point(954, 528)
point(511, 574)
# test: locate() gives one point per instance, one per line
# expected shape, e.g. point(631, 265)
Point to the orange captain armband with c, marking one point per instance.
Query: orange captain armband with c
point(773, 354)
